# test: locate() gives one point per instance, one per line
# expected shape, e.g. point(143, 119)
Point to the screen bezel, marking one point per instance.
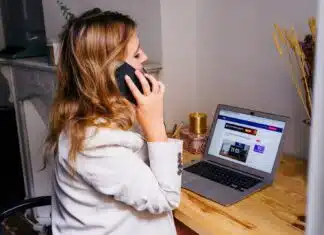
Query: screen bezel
point(237, 166)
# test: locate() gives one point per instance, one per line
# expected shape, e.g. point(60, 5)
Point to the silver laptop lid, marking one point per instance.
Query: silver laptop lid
point(246, 140)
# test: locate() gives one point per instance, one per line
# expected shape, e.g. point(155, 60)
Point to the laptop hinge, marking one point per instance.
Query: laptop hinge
point(246, 173)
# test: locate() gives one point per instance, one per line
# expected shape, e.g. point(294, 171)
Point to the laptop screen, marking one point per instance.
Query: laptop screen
point(246, 139)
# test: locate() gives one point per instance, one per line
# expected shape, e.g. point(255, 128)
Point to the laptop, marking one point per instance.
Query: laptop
point(241, 155)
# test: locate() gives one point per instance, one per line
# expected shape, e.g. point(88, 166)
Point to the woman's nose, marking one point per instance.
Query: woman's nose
point(144, 57)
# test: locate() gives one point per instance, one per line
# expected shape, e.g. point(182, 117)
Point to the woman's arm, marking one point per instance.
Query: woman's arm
point(119, 172)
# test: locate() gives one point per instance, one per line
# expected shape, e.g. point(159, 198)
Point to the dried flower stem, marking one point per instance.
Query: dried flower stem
point(297, 53)
point(285, 40)
point(295, 81)
point(300, 58)
point(312, 27)
point(65, 10)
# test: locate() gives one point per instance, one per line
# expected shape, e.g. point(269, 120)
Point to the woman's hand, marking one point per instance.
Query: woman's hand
point(149, 109)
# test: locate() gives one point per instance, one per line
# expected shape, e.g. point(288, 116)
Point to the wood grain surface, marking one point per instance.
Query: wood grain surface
point(278, 209)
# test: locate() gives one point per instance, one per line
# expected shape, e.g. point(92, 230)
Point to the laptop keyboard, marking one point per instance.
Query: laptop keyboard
point(223, 176)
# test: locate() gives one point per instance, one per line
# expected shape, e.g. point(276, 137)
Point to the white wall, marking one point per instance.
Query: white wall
point(145, 12)
point(238, 63)
point(179, 42)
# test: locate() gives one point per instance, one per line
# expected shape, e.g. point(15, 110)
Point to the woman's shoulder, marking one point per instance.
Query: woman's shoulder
point(103, 137)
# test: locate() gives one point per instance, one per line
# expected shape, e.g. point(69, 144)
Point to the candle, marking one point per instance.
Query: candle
point(198, 123)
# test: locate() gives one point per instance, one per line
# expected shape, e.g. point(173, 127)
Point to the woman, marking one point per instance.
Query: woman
point(109, 179)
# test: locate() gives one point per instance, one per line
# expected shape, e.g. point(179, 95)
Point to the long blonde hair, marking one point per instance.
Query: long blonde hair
point(92, 45)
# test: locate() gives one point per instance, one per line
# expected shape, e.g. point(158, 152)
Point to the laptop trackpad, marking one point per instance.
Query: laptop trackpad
point(214, 191)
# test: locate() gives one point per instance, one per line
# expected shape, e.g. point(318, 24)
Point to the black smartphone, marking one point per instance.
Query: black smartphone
point(121, 72)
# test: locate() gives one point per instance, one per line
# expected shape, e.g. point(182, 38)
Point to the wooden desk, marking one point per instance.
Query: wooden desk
point(274, 210)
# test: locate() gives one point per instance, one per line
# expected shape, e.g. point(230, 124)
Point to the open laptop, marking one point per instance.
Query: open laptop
point(241, 155)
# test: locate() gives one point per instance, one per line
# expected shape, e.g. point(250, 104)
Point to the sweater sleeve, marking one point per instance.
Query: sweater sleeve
point(119, 172)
